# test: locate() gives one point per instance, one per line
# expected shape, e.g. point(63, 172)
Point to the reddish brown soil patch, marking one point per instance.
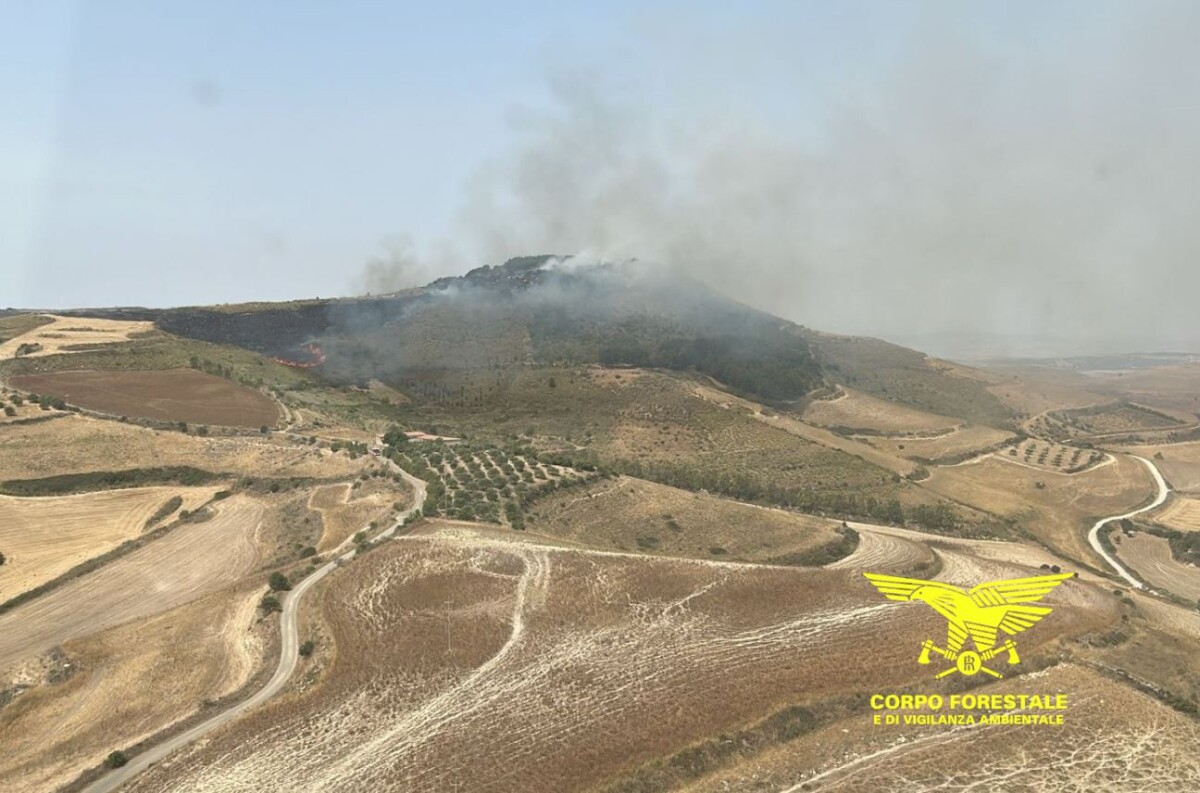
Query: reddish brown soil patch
point(168, 395)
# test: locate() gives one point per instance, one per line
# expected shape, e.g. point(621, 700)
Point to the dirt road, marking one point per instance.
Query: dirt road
point(288, 658)
point(1094, 534)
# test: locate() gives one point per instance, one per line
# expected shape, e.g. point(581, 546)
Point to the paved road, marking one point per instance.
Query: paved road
point(288, 658)
point(1094, 534)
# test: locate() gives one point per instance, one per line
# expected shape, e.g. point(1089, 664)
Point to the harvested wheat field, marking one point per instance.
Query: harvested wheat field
point(168, 395)
point(120, 686)
point(1180, 513)
point(79, 444)
point(627, 514)
point(45, 537)
point(463, 661)
point(346, 510)
point(854, 410)
point(189, 562)
point(1059, 511)
point(1113, 739)
point(61, 334)
point(1151, 558)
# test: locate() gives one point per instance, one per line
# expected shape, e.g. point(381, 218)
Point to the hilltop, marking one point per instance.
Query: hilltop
point(551, 311)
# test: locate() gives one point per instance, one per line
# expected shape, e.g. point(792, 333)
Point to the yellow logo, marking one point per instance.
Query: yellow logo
point(979, 614)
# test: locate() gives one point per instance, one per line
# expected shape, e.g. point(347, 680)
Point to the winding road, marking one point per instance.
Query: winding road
point(289, 657)
point(1094, 534)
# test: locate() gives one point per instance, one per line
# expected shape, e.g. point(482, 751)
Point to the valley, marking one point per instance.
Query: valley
point(506, 549)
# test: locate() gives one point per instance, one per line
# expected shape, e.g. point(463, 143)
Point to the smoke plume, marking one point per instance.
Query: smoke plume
point(1025, 191)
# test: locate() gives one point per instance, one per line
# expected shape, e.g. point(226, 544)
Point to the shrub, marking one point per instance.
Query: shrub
point(307, 648)
point(307, 551)
point(269, 603)
point(279, 582)
point(3, 558)
point(115, 759)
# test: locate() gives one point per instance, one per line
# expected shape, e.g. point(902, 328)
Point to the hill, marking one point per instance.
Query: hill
point(548, 310)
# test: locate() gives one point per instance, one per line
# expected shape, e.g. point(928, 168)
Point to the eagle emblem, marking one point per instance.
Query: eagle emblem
point(980, 613)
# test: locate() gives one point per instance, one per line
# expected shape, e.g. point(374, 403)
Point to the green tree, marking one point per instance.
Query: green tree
point(116, 759)
point(395, 436)
point(307, 648)
point(269, 603)
point(3, 558)
point(279, 582)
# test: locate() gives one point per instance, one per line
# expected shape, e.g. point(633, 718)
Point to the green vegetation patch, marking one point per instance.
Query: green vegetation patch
point(107, 480)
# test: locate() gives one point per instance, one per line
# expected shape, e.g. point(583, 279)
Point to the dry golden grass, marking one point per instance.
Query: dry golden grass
point(800, 429)
point(1174, 389)
point(63, 332)
point(346, 510)
point(1179, 513)
point(126, 684)
point(462, 661)
point(1057, 514)
point(1179, 463)
point(551, 655)
point(44, 537)
point(1032, 391)
point(626, 514)
point(188, 563)
point(77, 444)
point(1114, 739)
point(1150, 557)
point(952, 444)
point(856, 410)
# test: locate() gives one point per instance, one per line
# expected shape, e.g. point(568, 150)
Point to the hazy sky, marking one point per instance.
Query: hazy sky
point(898, 169)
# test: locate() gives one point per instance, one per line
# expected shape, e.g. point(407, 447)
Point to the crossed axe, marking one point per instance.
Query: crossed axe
point(969, 662)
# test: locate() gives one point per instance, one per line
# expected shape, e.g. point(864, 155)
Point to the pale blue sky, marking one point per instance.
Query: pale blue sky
point(164, 153)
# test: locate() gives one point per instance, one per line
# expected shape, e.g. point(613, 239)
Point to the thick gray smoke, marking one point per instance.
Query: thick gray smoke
point(1029, 194)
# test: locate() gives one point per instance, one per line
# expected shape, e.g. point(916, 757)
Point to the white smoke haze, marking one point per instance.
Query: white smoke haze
point(1046, 195)
point(397, 267)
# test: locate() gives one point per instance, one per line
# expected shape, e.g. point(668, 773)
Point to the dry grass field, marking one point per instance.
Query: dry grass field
point(856, 410)
point(626, 514)
point(168, 395)
point(60, 334)
point(45, 537)
point(1113, 739)
point(803, 430)
point(1058, 512)
point(1151, 558)
point(952, 445)
point(462, 661)
point(1179, 463)
point(346, 509)
point(1173, 388)
point(1179, 513)
point(78, 444)
point(125, 684)
point(189, 562)
point(1035, 390)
